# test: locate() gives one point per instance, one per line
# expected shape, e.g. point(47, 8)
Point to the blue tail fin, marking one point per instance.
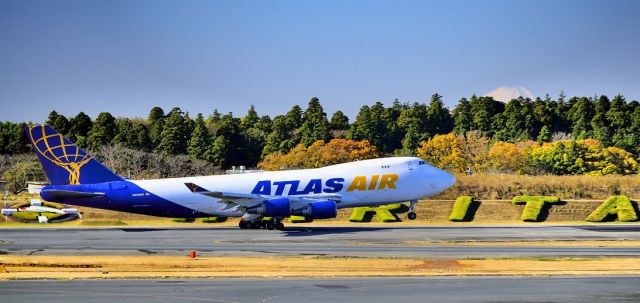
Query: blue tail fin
point(63, 161)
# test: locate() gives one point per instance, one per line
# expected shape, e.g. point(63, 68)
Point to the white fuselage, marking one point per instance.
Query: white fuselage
point(361, 183)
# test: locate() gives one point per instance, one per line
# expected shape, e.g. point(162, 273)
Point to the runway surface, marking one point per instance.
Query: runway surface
point(329, 241)
point(371, 290)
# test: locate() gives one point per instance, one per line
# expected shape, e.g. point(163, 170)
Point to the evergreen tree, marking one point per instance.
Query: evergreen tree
point(219, 152)
point(102, 132)
point(439, 119)
point(156, 126)
point(581, 114)
point(265, 124)
point(79, 126)
point(124, 133)
point(278, 140)
point(513, 127)
point(175, 135)
point(463, 119)
point(600, 122)
point(142, 140)
point(230, 129)
point(51, 120)
point(250, 119)
point(155, 114)
point(315, 126)
point(200, 139)
point(531, 127)
point(361, 129)
point(339, 121)
point(253, 143)
point(294, 117)
point(414, 121)
point(483, 110)
point(619, 120)
point(544, 135)
point(61, 124)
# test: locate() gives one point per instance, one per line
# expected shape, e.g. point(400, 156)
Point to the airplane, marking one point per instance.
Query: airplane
point(77, 178)
point(36, 207)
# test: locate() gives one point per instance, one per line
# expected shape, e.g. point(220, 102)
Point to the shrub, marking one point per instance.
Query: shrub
point(460, 208)
point(619, 206)
point(381, 213)
point(298, 219)
point(533, 206)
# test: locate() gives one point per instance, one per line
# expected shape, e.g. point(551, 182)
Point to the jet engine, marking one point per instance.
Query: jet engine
point(280, 207)
point(317, 210)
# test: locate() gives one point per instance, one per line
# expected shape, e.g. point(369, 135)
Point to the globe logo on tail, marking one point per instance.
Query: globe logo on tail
point(59, 151)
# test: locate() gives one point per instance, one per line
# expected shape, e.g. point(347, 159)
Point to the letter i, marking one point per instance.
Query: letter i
point(374, 182)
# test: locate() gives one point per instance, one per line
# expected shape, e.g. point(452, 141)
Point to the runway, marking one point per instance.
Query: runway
point(372, 290)
point(325, 241)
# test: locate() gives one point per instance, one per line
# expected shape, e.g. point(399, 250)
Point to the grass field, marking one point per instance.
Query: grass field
point(100, 267)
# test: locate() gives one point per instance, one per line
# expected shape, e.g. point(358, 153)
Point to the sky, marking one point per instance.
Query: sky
point(125, 57)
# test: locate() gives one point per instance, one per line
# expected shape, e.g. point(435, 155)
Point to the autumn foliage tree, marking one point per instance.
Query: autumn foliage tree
point(320, 154)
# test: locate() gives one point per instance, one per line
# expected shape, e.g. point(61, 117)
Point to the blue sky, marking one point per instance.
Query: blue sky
point(127, 56)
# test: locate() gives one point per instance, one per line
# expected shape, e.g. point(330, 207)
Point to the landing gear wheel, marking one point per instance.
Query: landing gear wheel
point(256, 225)
point(243, 224)
point(412, 210)
point(279, 226)
point(269, 225)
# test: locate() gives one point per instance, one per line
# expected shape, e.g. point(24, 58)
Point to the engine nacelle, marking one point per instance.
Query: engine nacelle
point(318, 210)
point(272, 208)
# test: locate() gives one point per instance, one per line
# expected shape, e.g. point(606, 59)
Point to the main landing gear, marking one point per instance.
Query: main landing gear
point(412, 210)
point(259, 224)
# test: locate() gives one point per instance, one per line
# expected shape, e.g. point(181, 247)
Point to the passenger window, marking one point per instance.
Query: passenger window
point(410, 165)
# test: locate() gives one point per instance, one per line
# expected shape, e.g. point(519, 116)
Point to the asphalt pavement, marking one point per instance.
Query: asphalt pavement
point(370, 290)
point(325, 241)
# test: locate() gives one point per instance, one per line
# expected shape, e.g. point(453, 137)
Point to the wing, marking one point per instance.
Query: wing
point(248, 200)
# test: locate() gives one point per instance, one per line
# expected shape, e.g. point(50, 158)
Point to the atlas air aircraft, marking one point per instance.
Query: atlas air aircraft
point(77, 178)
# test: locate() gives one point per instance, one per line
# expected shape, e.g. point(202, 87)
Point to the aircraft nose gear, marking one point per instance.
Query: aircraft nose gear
point(412, 210)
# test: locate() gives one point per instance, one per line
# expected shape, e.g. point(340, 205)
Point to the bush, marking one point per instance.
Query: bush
point(381, 213)
point(460, 208)
point(298, 219)
point(533, 206)
point(619, 206)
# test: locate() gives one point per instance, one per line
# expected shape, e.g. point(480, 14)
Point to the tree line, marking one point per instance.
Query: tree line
point(225, 140)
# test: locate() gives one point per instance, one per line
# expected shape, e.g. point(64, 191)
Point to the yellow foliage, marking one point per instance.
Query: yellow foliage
point(507, 157)
point(456, 153)
point(443, 151)
point(320, 154)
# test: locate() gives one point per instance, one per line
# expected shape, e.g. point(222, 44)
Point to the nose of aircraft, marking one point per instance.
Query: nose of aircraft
point(442, 180)
point(448, 179)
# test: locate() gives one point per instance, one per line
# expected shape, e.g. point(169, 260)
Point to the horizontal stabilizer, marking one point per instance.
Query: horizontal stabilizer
point(70, 194)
